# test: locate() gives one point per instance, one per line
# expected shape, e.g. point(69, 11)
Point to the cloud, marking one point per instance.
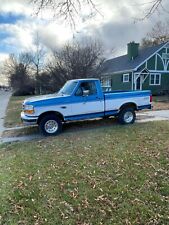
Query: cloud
point(3, 57)
point(18, 36)
point(15, 7)
point(115, 27)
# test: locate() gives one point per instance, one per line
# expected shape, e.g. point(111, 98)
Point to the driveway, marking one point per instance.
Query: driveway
point(153, 115)
point(4, 98)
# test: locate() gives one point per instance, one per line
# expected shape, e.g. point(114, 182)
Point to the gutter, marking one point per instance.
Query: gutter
point(122, 71)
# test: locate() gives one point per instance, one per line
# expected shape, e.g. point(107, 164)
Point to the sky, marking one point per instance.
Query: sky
point(116, 24)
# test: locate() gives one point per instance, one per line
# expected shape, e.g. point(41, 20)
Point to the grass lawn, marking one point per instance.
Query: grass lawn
point(107, 175)
point(13, 111)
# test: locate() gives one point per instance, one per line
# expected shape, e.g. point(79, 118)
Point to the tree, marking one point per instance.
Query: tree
point(66, 9)
point(153, 6)
point(45, 82)
point(69, 9)
point(37, 59)
point(17, 70)
point(75, 61)
point(159, 34)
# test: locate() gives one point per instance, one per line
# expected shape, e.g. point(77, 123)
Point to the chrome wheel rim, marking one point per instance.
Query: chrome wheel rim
point(51, 126)
point(128, 117)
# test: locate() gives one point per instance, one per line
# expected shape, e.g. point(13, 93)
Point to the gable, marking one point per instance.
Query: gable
point(122, 64)
point(159, 61)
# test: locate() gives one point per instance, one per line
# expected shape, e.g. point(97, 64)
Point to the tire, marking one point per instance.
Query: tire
point(50, 125)
point(127, 116)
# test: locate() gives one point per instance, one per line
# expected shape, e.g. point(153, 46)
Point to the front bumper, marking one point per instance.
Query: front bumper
point(28, 120)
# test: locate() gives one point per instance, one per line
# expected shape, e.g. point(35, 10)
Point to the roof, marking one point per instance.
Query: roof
point(85, 79)
point(123, 63)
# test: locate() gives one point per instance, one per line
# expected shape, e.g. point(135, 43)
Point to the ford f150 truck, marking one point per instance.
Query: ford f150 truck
point(82, 99)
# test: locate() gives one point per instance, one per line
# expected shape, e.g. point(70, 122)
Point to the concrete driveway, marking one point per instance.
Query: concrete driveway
point(4, 99)
point(153, 115)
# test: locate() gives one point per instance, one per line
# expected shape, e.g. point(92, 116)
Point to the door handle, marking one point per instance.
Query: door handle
point(63, 107)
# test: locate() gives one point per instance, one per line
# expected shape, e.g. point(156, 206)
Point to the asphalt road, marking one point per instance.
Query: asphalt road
point(4, 98)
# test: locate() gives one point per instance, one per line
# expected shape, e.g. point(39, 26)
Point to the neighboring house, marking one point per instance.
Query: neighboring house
point(140, 69)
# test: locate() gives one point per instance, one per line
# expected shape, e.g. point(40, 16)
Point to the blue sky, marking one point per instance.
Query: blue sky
point(114, 29)
point(10, 18)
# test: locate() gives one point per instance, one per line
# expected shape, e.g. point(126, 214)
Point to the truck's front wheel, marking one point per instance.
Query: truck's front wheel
point(50, 125)
point(127, 116)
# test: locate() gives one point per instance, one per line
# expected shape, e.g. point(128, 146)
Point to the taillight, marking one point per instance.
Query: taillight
point(151, 98)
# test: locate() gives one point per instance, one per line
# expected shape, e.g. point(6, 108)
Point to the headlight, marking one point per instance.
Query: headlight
point(28, 109)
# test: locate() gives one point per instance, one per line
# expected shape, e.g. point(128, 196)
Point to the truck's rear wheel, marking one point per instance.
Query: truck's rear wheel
point(127, 116)
point(50, 125)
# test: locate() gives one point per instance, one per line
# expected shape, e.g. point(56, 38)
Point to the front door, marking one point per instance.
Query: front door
point(139, 79)
point(138, 83)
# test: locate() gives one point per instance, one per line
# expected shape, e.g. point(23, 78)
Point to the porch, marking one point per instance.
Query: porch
point(139, 79)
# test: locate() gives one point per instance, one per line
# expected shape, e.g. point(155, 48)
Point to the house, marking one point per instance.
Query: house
point(139, 69)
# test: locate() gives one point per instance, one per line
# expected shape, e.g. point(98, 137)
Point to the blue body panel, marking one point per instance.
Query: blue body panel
point(126, 94)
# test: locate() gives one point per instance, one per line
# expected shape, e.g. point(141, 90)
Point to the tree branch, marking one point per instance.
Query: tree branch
point(66, 9)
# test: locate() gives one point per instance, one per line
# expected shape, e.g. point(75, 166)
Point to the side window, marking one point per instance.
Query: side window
point(126, 78)
point(87, 86)
point(79, 92)
point(155, 79)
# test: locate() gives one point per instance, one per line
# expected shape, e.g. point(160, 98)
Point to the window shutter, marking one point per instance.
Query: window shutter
point(130, 77)
point(122, 78)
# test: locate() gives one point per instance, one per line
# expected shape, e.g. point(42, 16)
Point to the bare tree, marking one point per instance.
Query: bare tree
point(75, 61)
point(151, 7)
point(159, 34)
point(9, 65)
point(66, 9)
point(37, 59)
point(69, 9)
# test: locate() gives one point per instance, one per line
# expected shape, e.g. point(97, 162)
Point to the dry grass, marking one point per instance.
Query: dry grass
point(107, 175)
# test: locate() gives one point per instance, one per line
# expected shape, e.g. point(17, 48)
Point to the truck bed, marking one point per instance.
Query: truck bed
point(113, 100)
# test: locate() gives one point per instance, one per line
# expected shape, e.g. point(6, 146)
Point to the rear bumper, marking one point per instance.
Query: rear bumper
point(144, 107)
point(28, 120)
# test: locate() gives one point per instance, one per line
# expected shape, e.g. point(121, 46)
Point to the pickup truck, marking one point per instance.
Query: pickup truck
point(82, 99)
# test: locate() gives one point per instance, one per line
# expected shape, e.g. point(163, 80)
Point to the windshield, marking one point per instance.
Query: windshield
point(68, 88)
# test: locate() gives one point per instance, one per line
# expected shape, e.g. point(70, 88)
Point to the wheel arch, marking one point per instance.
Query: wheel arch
point(128, 105)
point(58, 114)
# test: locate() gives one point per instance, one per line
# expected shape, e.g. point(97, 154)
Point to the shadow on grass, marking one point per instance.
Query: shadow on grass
point(67, 127)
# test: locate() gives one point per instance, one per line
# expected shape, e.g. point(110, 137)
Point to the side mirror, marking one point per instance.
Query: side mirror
point(85, 93)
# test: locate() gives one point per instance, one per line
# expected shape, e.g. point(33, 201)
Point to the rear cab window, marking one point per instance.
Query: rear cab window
point(87, 86)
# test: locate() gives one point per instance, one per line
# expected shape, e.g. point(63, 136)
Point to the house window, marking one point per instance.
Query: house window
point(106, 83)
point(126, 78)
point(155, 79)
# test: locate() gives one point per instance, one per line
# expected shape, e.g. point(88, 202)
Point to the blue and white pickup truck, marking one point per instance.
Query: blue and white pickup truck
point(82, 99)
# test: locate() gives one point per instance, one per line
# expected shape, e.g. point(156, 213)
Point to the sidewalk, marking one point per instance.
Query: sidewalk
point(4, 98)
point(153, 116)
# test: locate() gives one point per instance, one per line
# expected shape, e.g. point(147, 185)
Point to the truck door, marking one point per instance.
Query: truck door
point(87, 100)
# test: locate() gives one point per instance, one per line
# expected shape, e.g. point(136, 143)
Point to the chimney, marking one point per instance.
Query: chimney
point(132, 50)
